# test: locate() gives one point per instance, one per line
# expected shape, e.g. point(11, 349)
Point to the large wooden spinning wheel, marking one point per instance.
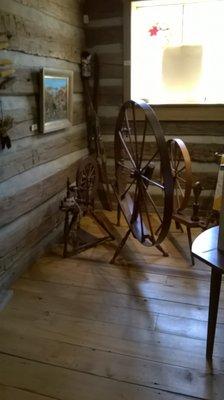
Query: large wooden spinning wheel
point(144, 183)
point(180, 162)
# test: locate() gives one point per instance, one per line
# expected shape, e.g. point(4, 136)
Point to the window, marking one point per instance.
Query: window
point(177, 54)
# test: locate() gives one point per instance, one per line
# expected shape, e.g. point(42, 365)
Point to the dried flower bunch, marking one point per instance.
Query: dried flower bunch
point(6, 123)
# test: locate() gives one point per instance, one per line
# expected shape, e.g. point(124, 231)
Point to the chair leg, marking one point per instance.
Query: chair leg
point(190, 243)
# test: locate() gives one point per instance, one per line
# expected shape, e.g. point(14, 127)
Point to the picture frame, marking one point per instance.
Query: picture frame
point(56, 110)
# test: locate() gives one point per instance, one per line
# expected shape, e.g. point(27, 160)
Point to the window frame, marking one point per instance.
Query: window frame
point(165, 112)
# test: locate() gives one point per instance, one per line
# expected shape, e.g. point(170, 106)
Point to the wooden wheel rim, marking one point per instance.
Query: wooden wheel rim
point(87, 179)
point(187, 173)
point(131, 210)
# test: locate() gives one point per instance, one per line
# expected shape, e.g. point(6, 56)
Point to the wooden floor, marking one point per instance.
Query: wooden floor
point(80, 328)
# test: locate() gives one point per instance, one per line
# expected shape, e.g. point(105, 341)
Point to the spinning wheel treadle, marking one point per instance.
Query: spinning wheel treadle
point(143, 175)
point(181, 170)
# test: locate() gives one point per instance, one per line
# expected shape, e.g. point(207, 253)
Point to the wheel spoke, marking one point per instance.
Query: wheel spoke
point(126, 148)
point(143, 144)
point(141, 221)
point(175, 155)
point(180, 189)
point(182, 169)
point(125, 167)
point(151, 159)
point(127, 190)
point(178, 161)
point(179, 178)
point(152, 202)
point(153, 183)
point(177, 198)
point(129, 133)
point(172, 147)
point(152, 238)
point(135, 205)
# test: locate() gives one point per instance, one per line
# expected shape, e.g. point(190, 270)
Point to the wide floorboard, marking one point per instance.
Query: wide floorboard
point(82, 329)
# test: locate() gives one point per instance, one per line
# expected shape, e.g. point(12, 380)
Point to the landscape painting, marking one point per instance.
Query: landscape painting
point(56, 104)
point(56, 94)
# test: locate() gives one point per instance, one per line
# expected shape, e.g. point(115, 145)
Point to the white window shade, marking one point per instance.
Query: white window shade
point(177, 54)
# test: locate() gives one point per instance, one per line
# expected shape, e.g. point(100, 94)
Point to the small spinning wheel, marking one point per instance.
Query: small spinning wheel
point(87, 179)
point(79, 203)
point(143, 175)
point(181, 170)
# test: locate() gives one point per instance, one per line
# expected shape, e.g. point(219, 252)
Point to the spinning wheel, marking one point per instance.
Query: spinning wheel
point(87, 179)
point(78, 203)
point(181, 170)
point(143, 175)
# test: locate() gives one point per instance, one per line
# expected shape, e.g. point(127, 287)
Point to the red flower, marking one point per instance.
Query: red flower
point(154, 30)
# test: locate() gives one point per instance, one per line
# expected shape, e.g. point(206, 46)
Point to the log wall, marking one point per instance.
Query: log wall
point(33, 172)
point(202, 137)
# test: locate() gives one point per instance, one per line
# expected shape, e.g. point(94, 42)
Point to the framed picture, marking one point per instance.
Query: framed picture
point(56, 99)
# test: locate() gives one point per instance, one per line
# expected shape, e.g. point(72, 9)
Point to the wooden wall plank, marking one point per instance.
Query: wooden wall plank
point(58, 10)
point(37, 150)
point(103, 9)
point(175, 128)
point(109, 95)
point(35, 33)
point(200, 152)
point(104, 35)
point(29, 256)
point(24, 112)
point(26, 82)
point(35, 186)
point(18, 238)
point(41, 34)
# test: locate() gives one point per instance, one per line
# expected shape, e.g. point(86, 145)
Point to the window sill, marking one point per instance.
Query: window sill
point(189, 112)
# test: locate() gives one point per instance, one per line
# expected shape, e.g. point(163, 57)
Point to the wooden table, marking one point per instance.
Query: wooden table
point(205, 249)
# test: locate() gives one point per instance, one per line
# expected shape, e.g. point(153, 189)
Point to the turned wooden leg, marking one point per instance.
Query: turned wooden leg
point(66, 233)
point(190, 243)
point(215, 286)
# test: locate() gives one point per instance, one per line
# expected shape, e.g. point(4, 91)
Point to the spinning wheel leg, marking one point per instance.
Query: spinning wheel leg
point(67, 228)
point(178, 226)
point(121, 245)
point(190, 243)
point(66, 233)
point(118, 215)
point(164, 253)
point(101, 224)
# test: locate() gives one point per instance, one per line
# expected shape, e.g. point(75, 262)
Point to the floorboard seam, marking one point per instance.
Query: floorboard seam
point(158, 388)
